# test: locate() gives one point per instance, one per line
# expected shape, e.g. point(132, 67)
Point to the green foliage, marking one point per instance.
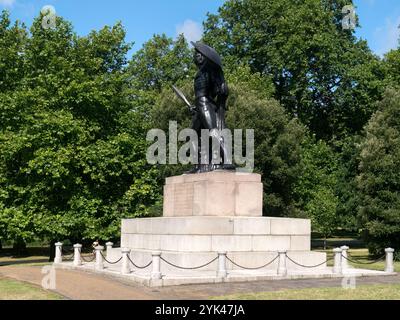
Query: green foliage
point(391, 67)
point(72, 148)
point(74, 115)
point(321, 73)
point(12, 41)
point(379, 177)
point(162, 61)
point(348, 152)
point(315, 187)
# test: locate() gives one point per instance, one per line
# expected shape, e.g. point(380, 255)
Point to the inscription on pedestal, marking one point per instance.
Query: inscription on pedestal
point(214, 194)
point(183, 196)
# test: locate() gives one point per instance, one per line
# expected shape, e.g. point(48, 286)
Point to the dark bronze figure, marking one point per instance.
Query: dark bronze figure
point(211, 93)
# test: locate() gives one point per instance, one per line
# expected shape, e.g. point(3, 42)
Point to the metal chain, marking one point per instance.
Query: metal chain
point(66, 252)
point(192, 268)
point(258, 268)
point(310, 267)
point(364, 263)
point(148, 265)
point(70, 258)
point(65, 255)
point(90, 260)
point(110, 261)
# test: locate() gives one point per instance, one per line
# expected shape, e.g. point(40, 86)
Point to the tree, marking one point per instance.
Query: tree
point(72, 159)
point(391, 67)
point(379, 177)
point(315, 189)
point(12, 45)
point(348, 157)
point(321, 73)
point(161, 61)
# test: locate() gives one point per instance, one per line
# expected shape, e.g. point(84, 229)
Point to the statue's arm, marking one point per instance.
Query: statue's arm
point(223, 95)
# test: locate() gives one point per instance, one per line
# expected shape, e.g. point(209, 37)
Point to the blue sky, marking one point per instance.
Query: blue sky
point(379, 18)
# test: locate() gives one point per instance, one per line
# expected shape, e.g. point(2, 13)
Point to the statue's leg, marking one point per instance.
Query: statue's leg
point(208, 116)
point(196, 126)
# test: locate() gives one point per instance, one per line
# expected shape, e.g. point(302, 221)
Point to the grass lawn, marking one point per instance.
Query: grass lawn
point(371, 292)
point(362, 256)
point(375, 292)
point(25, 261)
point(15, 290)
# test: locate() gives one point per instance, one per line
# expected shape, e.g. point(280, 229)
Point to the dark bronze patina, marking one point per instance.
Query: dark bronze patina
point(211, 94)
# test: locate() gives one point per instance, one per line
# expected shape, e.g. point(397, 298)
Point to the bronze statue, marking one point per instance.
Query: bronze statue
point(211, 94)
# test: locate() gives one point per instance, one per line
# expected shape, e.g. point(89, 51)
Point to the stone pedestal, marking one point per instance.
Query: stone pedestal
point(214, 194)
point(209, 213)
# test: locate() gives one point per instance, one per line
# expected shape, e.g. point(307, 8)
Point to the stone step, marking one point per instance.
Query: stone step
point(216, 243)
point(242, 259)
point(217, 226)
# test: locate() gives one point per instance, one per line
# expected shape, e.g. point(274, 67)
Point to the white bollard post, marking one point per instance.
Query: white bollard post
point(345, 263)
point(109, 246)
point(77, 255)
point(282, 269)
point(99, 259)
point(337, 268)
point(389, 268)
point(125, 261)
point(156, 272)
point(222, 272)
point(58, 257)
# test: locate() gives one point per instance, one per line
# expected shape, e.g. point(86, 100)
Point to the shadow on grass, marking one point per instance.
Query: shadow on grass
point(31, 256)
point(335, 243)
point(22, 262)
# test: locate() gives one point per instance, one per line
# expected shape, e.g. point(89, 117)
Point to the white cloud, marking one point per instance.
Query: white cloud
point(7, 3)
point(193, 31)
point(387, 36)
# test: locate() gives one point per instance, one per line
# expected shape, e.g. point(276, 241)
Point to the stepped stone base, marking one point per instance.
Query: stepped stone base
point(217, 212)
point(250, 242)
point(213, 234)
point(211, 213)
point(248, 260)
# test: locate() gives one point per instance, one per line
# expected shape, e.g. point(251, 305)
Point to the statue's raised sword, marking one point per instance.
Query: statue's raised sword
point(181, 96)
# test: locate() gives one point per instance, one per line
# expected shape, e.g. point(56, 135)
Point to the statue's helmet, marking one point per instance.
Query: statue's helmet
point(208, 52)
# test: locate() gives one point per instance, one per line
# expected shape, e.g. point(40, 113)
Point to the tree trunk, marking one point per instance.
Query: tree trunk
point(19, 247)
point(1, 246)
point(325, 243)
point(52, 253)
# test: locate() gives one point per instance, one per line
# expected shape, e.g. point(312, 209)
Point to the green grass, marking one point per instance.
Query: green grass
point(25, 261)
point(15, 290)
point(374, 292)
point(362, 256)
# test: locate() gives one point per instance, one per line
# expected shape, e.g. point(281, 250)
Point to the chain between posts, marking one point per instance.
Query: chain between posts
point(364, 263)
point(139, 267)
point(187, 268)
point(90, 260)
point(109, 262)
point(310, 267)
point(66, 257)
point(257, 268)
